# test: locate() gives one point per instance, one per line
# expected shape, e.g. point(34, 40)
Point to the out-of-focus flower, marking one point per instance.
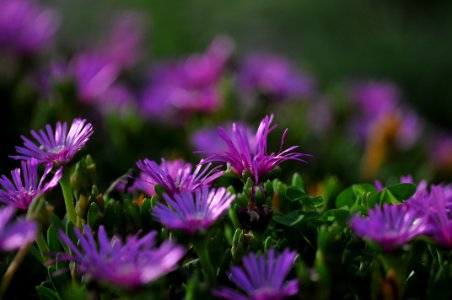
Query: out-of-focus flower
point(15, 234)
point(390, 226)
point(193, 213)
point(124, 41)
point(441, 152)
point(132, 264)
point(245, 158)
point(208, 140)
point(191, 85)
point(20, 193)
point(26, 28)
point(273, 75)
point(319, 116)
point(262, 277)
point(174, 176)
point(56, 147)
point(382, 114)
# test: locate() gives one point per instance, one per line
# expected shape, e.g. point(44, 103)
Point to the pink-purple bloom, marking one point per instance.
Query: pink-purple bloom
point(132, 264)
point(193, 213)
point(190, 85)
point(20, 193)
point(380, 110)
point(262, 277)
point(390, 226)
point(440, 152)
point(174, 176)
point(247, 158)
point(57, 146)
point(15, 234)
point(273, 75)
point(25, 28)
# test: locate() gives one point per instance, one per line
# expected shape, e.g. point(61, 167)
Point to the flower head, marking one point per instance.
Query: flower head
point(13, 235)
point(382, 114)
point(275, 76)
point(174, 176)
point(390, 226)
point(192, 214)
point(24, 27)
point(262, 278)
point(190, 85)
point(131, 264)
point(245, 157)
point(56, 147)
point(20, 193)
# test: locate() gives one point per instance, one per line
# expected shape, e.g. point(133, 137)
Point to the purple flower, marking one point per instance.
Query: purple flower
point(275, 76)
point(24, 27)
point(245, 157)
point(191, 85)
point(390, 226)
point(132, 264)
point(20, 193)
point(193, 213)
point(15, 234)
point(382, 114)
point(56, 147)
point(262, 278)
point(174, 176)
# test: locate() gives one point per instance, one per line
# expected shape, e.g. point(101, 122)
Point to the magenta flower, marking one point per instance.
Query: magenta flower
point(26, 28)
point(247, 158)
point(390, 226)
point(193, 214)
point(380, 111)
point(190, 85)
point(262, 278)
point(275, 76)
point(20, 193)
point(132, 264)
point(56, 147)
point(14, 235)
point(174, 176)
point(440, 152)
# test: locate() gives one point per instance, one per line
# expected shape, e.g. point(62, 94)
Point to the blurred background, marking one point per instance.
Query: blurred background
point(369, 93)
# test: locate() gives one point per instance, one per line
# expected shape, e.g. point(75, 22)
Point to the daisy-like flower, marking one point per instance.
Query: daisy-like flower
point(26, 28)
point(132, 264)
point(262, 278)
point(275, 76)
point(57, 146)
point(20, 193)
point(246, 158)
point(15, 234)
point(390, 226)
point(174, 176)
point(193, 213)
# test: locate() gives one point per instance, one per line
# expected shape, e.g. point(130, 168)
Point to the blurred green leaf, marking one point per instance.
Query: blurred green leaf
point(290, 219)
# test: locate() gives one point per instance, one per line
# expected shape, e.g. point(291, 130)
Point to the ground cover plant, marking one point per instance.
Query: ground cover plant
point(223, 174)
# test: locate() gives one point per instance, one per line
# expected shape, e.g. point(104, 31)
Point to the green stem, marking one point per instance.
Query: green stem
point(200, 247)
point(65, 184)
point(42, 245)
point(12, 268)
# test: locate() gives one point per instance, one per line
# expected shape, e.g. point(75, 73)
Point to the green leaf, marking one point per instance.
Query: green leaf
point(290, 219)
point(402, 191)
point(45, 293)
point(346, 198)
point(52, 239)
point(338, 214)
point(297, 182)
point(293, 194)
